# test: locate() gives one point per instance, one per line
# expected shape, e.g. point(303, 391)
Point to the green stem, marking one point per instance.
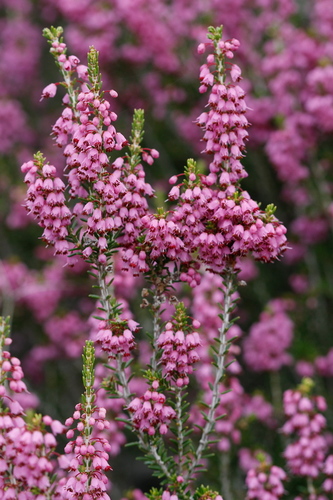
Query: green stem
point(276, 391)
point(107, 294)
point(4, 333)
point(180, 430)
point(156, 310)
point(225, 475)
point(8, 298)
point(71, 92)
point(89, 396)
point(311, 488)
point(106, 289)
point(227, 309)
point(150, 448)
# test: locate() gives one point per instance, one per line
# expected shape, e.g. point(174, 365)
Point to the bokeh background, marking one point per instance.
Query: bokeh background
point(148, 54)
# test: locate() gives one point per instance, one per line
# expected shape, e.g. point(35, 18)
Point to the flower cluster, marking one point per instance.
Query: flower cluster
point(116, 336)
point(225, 123)
point(150, 413)
point(305, 455)
point(178, 343)
point(163, 238)
point(87, 452)
point(27, 454)
point(46, 201)
point(266, 481)
point(87, 457)
point(11, 373)
point(27, 448)
point(225, 223)
point(86, 152)
point(108, 205)
point(116, 209)
point(268, 340)
point(214, 216)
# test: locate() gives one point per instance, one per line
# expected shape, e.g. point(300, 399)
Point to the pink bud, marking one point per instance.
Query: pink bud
point(235, 73)
point(57, 427)
point(82, 72)
point(201, 48)
point(155, 384)
point(69, 434)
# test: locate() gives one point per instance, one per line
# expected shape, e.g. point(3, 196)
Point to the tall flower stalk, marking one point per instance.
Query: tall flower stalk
point(88, 449)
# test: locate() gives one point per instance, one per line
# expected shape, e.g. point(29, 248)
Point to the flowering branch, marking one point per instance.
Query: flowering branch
point(212, 224)
point(86, 478)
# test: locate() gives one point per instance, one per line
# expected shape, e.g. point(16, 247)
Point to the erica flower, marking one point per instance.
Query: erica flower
point(116, 336)
point(178, 342)
point(265, 482)
point(305, 424)
point(150, 413)
point(266, 346)
point(87, 449)
point(27, 448)
point(49, 91)
point(46, 201)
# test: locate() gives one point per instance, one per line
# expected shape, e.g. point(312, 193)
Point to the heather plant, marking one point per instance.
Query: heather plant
point(80, 129)
point(212, 224)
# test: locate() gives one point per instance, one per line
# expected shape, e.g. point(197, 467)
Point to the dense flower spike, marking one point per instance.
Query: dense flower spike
point(46, 201)
point(87, 452)
point(214, 216)
point(150, 413)
point(225, 123)
point(178, 343)
point(116, 336)
point(114, 202)
point(11, 373)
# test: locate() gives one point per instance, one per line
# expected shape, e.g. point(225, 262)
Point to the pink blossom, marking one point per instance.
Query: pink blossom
point(49, 91)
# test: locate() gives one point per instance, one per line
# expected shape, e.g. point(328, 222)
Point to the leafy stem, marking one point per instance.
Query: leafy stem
point(54, 36)
point(110, 307)
point(88, 398)
point(219, 364)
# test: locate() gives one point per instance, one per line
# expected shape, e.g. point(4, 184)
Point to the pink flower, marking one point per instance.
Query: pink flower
point(235, 73)
point(49, 91)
